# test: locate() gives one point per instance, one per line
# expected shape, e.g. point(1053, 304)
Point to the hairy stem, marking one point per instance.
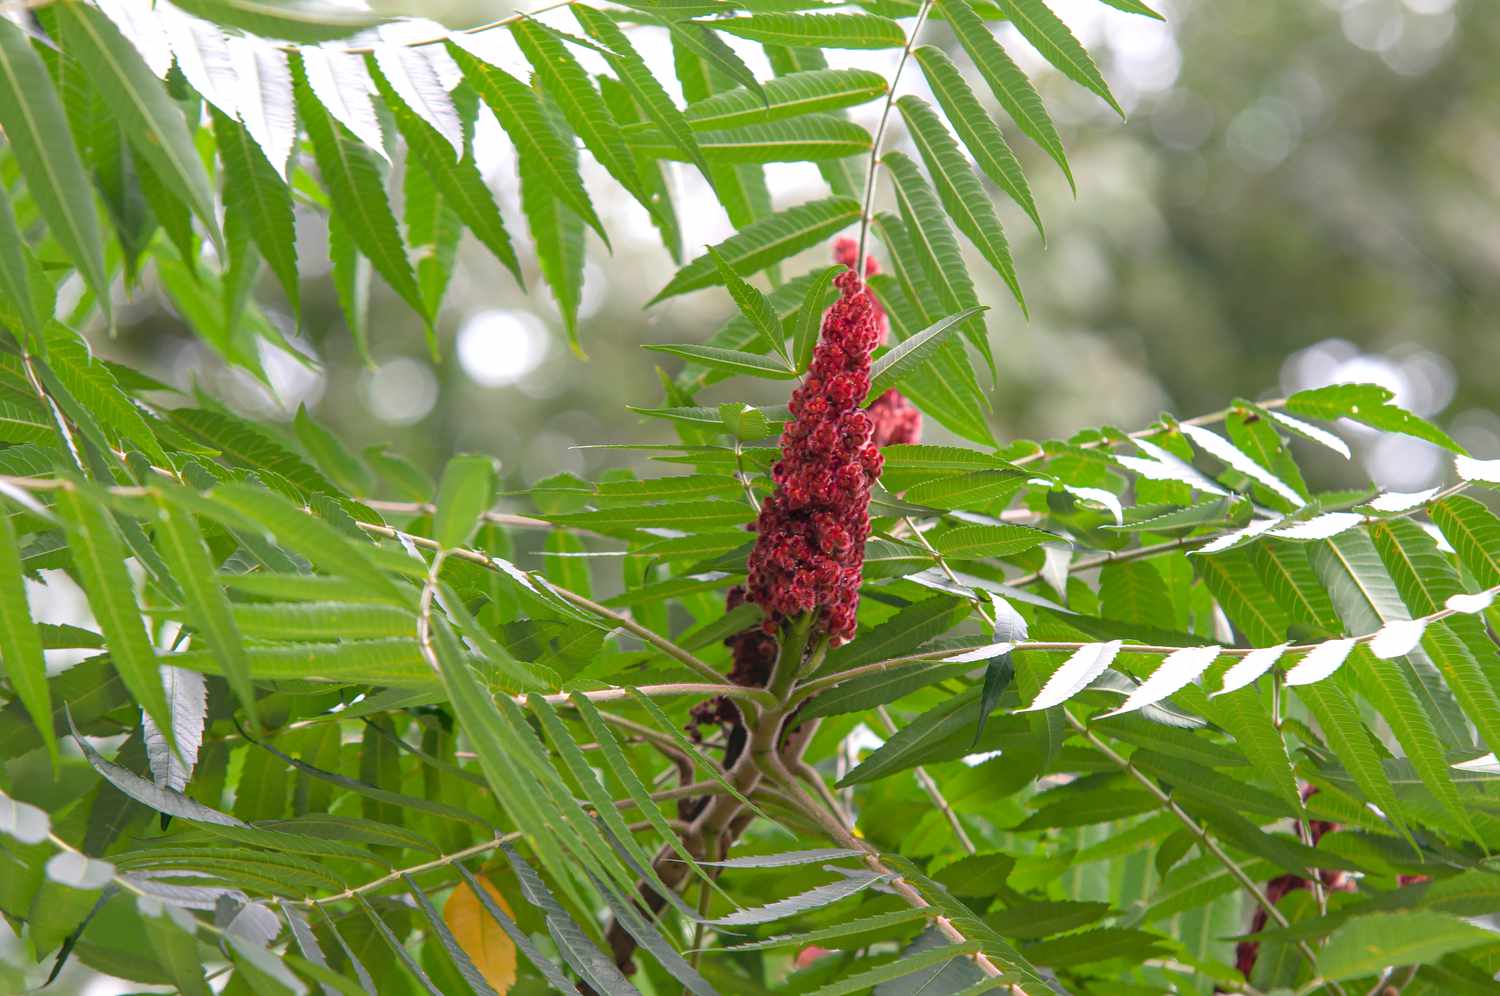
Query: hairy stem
point(875, 147)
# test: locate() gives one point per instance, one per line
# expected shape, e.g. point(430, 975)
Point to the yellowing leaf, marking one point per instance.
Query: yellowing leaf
point(487, 946)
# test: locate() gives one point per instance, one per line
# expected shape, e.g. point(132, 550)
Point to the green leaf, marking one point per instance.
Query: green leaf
point(15, 272)
point(959, 189)
point(331, 454)
point(809, 324)
point(566, 82)
point(21, 642)
point(93, 386)
point(462, 186)
point(558, 236)
point(813, 91)
point(1474, 532)
point(36, 130)
point(192, 566)
point(812, 899)
point(815, 30)
point(978, 131)
point(451, 947)
point(307, 21)
point(809, 138)
point(100, 561)
point(837, 931)
point(466, 492)
point(913, 353)
point(708, 46)
point(357, 189)
point(731, 360)
point(293, 528)
point(539, 146)
point(936, 248)
point(642, 84)
point(1367, 945)
point(905, 965)
point(1010, 86)
point(881, 688)
point(753, 305)
point(148, 793)
point(1239, 592)
point(1370, 405)
point(25, 424)
point(1051, 37)
point(1285, 571)
point(154, 124)
point(764, 242)
point(248, 445)
point(1002, 540)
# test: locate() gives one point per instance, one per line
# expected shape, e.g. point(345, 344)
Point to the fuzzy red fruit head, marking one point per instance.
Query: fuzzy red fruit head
point(810, 537)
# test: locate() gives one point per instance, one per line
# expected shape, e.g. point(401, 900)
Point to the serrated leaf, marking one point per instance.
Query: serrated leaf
point(1000, 540)
point(36, 130)
point(862, 925)
point(637, 77)
point(462, 186)
point(21, 641)
point(821, 31)
point(255, 195)
point(342, 85)
point(568, 84)
point(556, 231)
point(753, 305)
point(1370, 405)
point(959, 189)
point(809, 318)
point(977, 130)
point(1250, 667)
point(813, 91)
point(15, 274)
point(1075, 674)
point(764, 242)
point(1474, 532)
point(812, 899)
point(312, 537)
point(731, 360)
point(481, 936)
point(202, 54)
point(465, 493)
point(151, 120)
point(936, 248)
point(263, 99)
point(809, 138)
point(912, 353)
point(708, 46)
point(410, 74)
point(1175, 671)
point(1051, 37)
point(1367, 945)
point(162, 799)
point(457, 951)
point(187, 698)
point(100, 561)
point(1236, 458)
point(1010, 86)
point(357, 190)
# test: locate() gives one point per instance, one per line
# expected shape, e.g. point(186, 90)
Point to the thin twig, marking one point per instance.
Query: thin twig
point(875, 145)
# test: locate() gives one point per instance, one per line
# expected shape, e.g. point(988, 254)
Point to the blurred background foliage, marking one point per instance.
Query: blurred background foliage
point(1305, 192)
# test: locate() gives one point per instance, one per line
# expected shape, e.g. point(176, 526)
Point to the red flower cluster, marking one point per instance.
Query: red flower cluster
point(812, 529)
point(1246, 952)
point(895, 419)
point(844, 251)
